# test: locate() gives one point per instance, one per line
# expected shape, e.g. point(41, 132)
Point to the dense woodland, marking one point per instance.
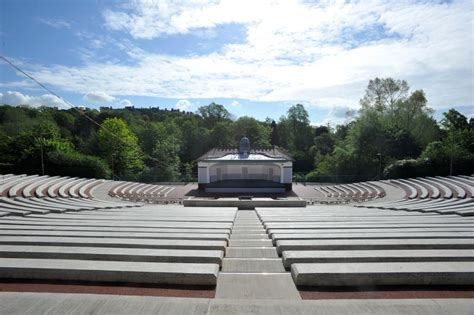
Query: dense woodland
point(392, 135)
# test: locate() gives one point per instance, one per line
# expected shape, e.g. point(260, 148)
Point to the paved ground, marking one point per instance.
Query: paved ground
point(47, 303)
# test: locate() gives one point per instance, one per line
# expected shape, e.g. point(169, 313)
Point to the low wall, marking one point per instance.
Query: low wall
point(245, 204)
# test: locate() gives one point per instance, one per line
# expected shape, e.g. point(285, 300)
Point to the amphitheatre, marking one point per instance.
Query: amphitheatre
point(77, 245)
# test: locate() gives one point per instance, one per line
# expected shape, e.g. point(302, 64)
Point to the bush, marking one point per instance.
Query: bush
point(428, 167)
point(76, 164)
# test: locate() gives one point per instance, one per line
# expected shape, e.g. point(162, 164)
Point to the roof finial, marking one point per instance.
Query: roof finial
point(244, 149)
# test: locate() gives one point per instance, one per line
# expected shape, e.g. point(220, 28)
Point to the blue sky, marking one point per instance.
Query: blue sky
point(255, 57)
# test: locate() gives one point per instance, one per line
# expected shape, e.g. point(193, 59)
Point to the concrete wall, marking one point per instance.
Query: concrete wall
point(287, 173)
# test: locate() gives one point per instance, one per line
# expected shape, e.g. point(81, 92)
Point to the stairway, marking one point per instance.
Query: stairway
point(251, 268)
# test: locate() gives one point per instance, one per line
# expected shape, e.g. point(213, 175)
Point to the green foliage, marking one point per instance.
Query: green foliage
point(214, 113)
point(394, 127)
point(76, 164)
point(257, 132)
point(119, 147)
point(454, 120)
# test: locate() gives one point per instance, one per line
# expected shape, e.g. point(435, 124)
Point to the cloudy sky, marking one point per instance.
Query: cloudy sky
point(256, 57)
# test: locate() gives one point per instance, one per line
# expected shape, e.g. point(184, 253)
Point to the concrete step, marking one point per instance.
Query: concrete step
point(370, 274)
point(251, 252)
point(339, 256)
point(250, 265)
point(385, 230)
point(380, 225)
point(111, 242)
point(247, 231)
point(251, 243)
point(99, 215)
point(5, 227)
point(128, 224)
point(249, 236)
point(407, 235)
point(114, 254)
point(108, 271)
point(439, 243)
point(240, 286)
point(247, 226)
point(177, 236)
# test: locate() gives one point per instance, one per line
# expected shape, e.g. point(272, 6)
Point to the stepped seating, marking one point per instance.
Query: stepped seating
point(173, 245)
point(53, 228)
point(141, 192)
point(347, 246)
point(443, 195)
point(344, 193)
point(33, 194)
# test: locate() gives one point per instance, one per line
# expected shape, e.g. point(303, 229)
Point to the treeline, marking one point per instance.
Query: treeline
point(393, 135)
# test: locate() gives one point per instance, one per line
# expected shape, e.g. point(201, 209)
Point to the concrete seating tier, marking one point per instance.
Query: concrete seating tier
point(344, 193)
point(143, 192)
point(24, 195)
point(443, 195)
point(372, 274)
point(336, 245)
point(149, 244)
point(109, 271)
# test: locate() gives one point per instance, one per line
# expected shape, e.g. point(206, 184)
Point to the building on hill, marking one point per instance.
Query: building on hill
point(247, 170)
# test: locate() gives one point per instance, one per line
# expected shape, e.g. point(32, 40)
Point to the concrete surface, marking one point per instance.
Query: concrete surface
point(277, 286)
point(108, 271)
point(370, 274)
point(114, 254)
point(352, 244)
point(252, 265)
point(251, 252)
point(337, 256)
point(61, 303)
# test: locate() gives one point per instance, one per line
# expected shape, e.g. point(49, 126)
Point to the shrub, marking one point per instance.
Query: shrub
point(76, 164)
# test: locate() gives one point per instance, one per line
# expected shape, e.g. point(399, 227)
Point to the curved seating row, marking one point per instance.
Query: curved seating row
point(344, 246)
point(133, 191)
point(343, 193)
point(444, 195)
point(34, 194)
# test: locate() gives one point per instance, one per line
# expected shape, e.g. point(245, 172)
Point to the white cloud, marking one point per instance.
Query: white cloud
point(14, 98)
point(183, 105)
point(126, 103)
point(337, 115)
point(55, 23)
point(235, 103)
point(318, 53)
point(99, 97)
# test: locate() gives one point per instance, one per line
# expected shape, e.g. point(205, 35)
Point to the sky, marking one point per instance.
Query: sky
point(256, 57)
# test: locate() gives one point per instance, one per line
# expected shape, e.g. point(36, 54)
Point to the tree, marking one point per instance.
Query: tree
point(214, 113)
point(458, 142)
point(300, 137)
point(300, 130)
point(383, 94)
point(119, 147)
point(162, 144)
point(275, 138)
point(221, 136)
point(454, 120)
point(258, 133)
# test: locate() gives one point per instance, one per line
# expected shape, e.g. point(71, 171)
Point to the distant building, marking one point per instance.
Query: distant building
point(471, 122)
point(264, 170)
